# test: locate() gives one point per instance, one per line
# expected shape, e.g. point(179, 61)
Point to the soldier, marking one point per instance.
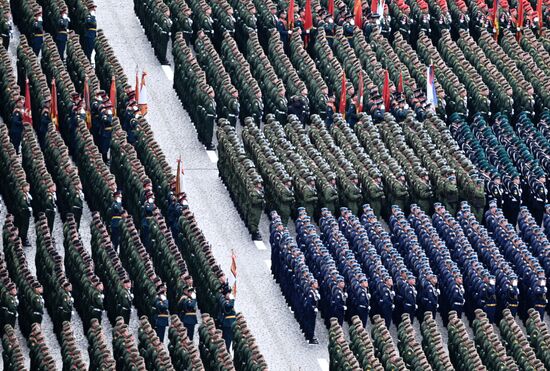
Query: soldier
point(148, 210)
point(161, 312)
point(37, 32)
point(310, 311)
point(256, 206)
point(106, 130)
point(43, 124)
point(6, 29)
point(187, 307)
point(24, 213)
point(117, 213)
point(16, 124)
point(284, 32)
point(539, 196)
point(131, 125)
point(227, 317)
point(51, 205)
point(512, 198)
point(62, 29)
point(90, 31)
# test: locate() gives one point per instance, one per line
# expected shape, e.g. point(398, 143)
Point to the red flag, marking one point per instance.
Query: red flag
point(178, 178)
point(400, 83)
point(308, 22)
point(361, 92)
point(142, 102)
point(53, 111)
point(87, 106)
point(342, 107)
point(331, 8)
point(539, 15)
point(27, 113)
point(234, 271)
point(112, 94)
point(519, 23)
point(386, 91)
point(358, 13)
point(495, 18)
point(290, 16)
point(137, 86)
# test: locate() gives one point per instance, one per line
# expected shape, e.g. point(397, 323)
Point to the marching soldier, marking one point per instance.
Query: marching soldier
point(37, 32)
point(90, 32)
point(227, 317)
point(187, 307)
point(161, 313)
point(117, 213)
point(16, 124)
point(61, 37)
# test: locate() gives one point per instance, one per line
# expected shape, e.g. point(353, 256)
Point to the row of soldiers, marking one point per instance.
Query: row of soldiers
point(183, 352)
point(88, 288)
point(156, 21)
point(29, 289)
point(108, 266)
point(239, 174)
point(125, 348)
point(12, 355)
point(100, 355)
point(151, 348)
point(51, 273)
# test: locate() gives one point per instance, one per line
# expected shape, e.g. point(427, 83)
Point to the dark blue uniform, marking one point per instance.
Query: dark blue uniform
point(161, 316)
point(61, 37)
point(37, 36)
point(90, 33)
point(187, 307)
point(16, 129)
point(227, 318)
point(116, 217)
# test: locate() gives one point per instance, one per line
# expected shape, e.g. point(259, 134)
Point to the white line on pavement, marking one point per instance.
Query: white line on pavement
point(260, 245)
point(323, 363)
point(213, 156)
point(168, 72)
point(267, 263)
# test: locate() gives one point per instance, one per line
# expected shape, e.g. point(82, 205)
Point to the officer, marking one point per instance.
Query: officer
point(24, 213)
point(43, 125)
point(90, 31)
point(62, 29)
point(362, 298)
point(512, 198)
point(148, 210)
point(495, 190)
point(161, 312)
point(106, 130)
point(310, 310)
point(117, 213)
point(187, 307)
point(339, 299)
point(37, 32)
point(16, 124)
point(131, 125)
point(539, 196)
point(227, 317)
point(95, 108)
point(284, 32)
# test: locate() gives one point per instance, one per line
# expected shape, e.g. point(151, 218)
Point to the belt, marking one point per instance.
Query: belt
point(91, 29)
point(62, 32)
point(491, 305)
point(191, 313)
point(540, 305)
point(230, 317)
point(513, 305)
point(163, 315)
point(117, 217)
point(108, 129)
point(38, 35)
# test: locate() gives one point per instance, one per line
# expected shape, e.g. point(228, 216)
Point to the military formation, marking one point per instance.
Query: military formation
point(104, 155)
